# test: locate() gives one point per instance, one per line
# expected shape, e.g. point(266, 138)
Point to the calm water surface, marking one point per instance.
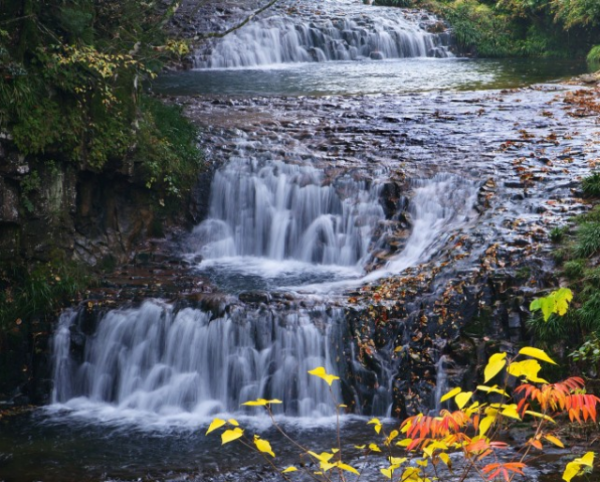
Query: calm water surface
point(369, 77)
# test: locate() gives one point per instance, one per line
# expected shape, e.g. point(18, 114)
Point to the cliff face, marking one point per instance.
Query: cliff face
point(92, 218)
point(53, 214)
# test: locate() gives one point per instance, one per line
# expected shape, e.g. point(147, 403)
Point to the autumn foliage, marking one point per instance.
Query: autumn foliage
point(423, 447)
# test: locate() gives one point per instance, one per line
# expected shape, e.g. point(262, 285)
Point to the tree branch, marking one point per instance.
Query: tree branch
point(238, 26)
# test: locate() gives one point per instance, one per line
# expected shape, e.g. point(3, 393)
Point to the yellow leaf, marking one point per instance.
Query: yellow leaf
point(263, 446)
point(326, 465)
point(387, 472)
point(321, 373)
point(374, 447)
point(462, 398)
point(494, 389)
point(392, 436)
point(404, 443)
point(571, 470)
point(359, 447)
point(347, 468)
point(376, 424)
point(412, 474)
point(261, 402)
point(510, 411)
point(397, 460)
point(323, 457)
point(485, 424)
point(446, 459)
point(556, 441)
point(536, 353)
point(422, 463)
point(495, 364)
point(233, 422)
point(231, 435)
point(574, 468)
point(289, 469)
point(450, 394)
point(587, 459)
point(540, 415)
point(526, 368)
point(215, 424)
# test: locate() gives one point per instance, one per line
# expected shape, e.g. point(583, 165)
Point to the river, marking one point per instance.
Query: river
point(361, 151)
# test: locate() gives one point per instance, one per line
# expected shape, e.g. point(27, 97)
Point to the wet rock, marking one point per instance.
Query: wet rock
point(255, 297)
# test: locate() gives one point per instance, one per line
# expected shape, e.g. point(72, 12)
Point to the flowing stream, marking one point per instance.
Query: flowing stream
point(313, 198)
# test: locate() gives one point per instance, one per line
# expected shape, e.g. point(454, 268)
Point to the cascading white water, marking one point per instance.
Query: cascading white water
point(172, 364)
point(289, 212)
point(440, 206)
point(384, 34)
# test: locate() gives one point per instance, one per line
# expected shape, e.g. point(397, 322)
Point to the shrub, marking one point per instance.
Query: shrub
point(420, 449)
point(591, 184)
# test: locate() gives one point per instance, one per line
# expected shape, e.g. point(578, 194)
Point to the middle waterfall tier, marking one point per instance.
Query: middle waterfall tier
point(283, 211)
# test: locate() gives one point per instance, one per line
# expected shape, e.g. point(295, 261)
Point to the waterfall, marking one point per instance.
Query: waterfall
point(185, 362)
point(289, 212)
point(440, 206)
point(357, 32)
point(157, 360)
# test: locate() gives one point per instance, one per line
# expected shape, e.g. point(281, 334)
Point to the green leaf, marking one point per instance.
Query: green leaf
point(556, 302)
point(562, 298)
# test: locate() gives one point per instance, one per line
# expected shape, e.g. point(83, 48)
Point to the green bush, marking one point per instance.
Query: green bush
point(591, 184)
point(593, 57)
point(588, 240)
point(70, 88)
point(37, 290)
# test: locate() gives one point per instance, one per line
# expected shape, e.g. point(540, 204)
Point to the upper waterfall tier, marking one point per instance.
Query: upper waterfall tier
point(355, 32)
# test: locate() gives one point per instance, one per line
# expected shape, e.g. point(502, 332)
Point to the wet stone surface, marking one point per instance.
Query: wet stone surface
point(525, 150)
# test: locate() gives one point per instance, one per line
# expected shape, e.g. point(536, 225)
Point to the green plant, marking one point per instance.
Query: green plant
point(593, 56)
point(588, 354)
point(70, 88)
point(30, 184)
point(574, 269)
point(588, 240)
point(557, 234)
point(37, 290)
point(591, 184)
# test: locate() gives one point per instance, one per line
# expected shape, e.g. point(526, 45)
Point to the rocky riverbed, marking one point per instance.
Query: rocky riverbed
point(525, 150)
